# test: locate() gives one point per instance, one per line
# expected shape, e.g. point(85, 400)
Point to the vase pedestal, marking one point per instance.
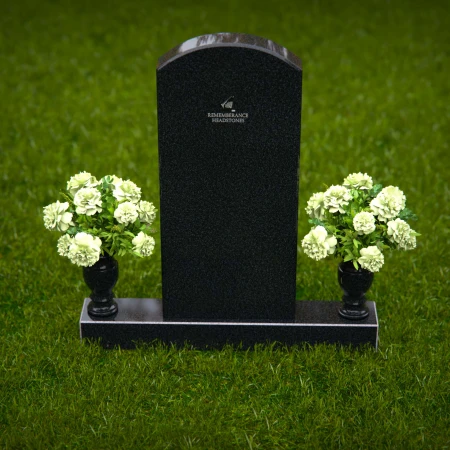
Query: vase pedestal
point(141, 320)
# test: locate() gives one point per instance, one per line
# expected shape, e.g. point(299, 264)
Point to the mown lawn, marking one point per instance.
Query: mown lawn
point(77, 92)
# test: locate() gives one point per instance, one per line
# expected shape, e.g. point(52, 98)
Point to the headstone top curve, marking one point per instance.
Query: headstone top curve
point(230, 40)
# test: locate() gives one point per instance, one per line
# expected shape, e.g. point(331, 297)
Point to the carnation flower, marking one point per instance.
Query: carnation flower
point(409, 243)
point(402, 234)
point(81, 180)
point(88, 201)
point(147, 212)
point(126, 191)
point(84, 250)
point(315, 207)
point(116, 180)
point(317, 244)
point(126, 213)
point(335, 198)
point(364, 223)
point(371, 258)
point(110, 179)
point(388, 203)
point(56, 217)
point(64, 243)
point(358, 181)
point(143, 244)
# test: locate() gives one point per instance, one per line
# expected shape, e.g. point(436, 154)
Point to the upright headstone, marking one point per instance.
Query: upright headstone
point(229, 135)
point(229, 144)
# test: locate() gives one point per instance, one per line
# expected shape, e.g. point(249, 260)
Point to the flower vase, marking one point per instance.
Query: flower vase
point(101, 279)
point(355, 284)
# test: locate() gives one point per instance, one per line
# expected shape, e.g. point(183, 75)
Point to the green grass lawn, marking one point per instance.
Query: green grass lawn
point(78, 92)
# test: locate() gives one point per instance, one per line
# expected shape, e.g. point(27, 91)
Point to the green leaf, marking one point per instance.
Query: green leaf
point(375, 190)
point(72, 231)
point(316, 222)
point(67, 197)
point(406, 214)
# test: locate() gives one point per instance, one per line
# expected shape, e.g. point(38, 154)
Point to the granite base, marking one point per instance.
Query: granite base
point(141, 320)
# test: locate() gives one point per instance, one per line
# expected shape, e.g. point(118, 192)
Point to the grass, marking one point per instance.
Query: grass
point(77, 90)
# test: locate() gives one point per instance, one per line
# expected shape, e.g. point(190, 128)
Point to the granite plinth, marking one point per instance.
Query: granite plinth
point(141, 320)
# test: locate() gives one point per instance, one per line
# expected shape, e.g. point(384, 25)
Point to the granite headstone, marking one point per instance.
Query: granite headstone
point(229, 143)
point(229, 136)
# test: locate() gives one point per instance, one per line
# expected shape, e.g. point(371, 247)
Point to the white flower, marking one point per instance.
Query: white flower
point(388, 203)
point(143, 244)
point(126, 213)
point(336, 197)
point(88, 201)
point(315, 207)
point(84, 250)
point(317, 244)
point(64, 243)
point(81, 180)
point(112, 180)
point(364, 222)
point(358, 181)
point(409, 243)
point(402, 234)
point(147, 212)
point(371, 258)
point(397, 230)
point(116, 181)
point(56, 217)
point(126, 191)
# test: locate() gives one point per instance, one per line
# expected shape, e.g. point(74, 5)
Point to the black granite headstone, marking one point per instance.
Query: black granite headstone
point(229, 136)
point(229, 144)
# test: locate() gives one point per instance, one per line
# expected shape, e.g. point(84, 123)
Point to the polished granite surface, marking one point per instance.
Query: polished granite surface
point(141, 320)
point(229, 149)
point(230, 39)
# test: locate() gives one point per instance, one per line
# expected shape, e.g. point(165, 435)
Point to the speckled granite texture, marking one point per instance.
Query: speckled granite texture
point(229, 146)
point(141, 320)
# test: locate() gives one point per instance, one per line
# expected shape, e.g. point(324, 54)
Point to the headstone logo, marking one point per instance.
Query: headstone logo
point(228, 104)
point(229, 115)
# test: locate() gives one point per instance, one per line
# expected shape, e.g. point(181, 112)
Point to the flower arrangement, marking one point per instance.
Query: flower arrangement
point(98, 217)
point(358, 221)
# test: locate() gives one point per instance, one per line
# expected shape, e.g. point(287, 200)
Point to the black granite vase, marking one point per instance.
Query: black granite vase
point(355, 284)
point(101, 278)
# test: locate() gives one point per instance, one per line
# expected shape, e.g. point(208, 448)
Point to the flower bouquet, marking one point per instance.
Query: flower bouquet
point(358, 221)
point(100, 219)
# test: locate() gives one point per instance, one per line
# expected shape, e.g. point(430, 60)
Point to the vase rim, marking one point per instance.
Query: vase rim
point(345, 266)
point(106, 255)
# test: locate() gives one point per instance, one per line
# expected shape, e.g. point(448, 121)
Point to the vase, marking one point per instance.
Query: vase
point(101, 278)
point(355, 284)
